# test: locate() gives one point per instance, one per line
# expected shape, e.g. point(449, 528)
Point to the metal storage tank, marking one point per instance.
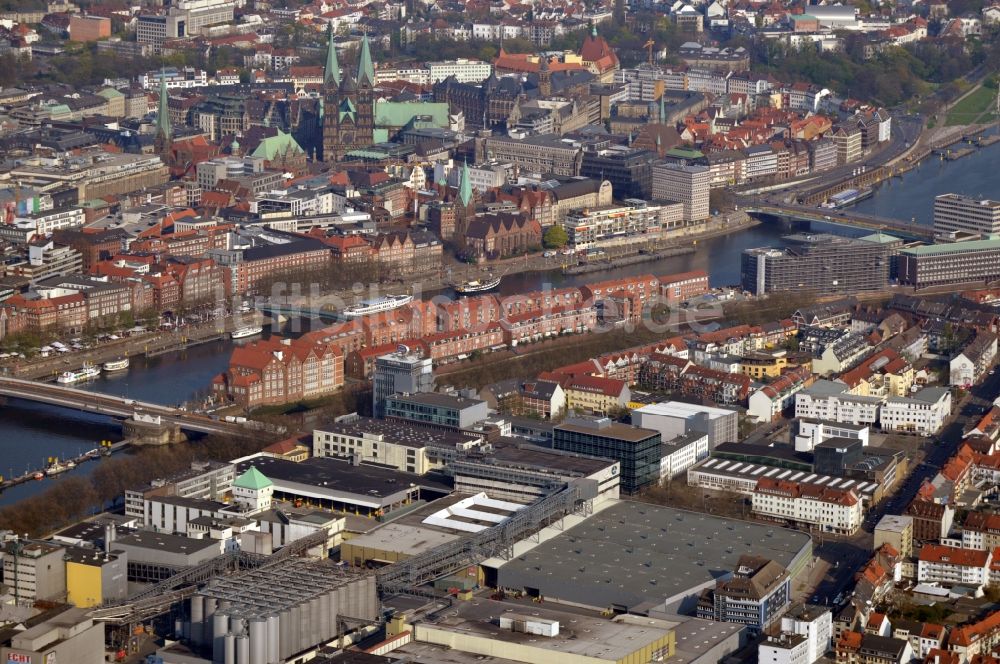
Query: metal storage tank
point(243, 650)
point(285, 634)
point(197, 631)
point(258, 641)
point(315, 620)
point(229, 644)
point(220, 628)
point(273, 640)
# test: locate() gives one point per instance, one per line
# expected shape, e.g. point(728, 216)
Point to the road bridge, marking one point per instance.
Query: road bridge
point(120, 407)
point(903, 229)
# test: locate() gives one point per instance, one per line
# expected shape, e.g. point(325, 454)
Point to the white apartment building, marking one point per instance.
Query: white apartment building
point(821, 508)
point(414, 75)
point(188, 77)
point(43, 223)
point(813, 432)
point(684, 183)
point(483, 177)
point(923, 413)
point(949, 565)
point(813, 622)
point(784, 649)
point(826, 400)
point(619, 224)
point(172, 514)
point(683, 452)
point(463, 69)
point(762, 161)
point(954, 212)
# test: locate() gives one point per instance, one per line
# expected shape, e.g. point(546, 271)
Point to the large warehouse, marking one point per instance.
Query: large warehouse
point(642, 558)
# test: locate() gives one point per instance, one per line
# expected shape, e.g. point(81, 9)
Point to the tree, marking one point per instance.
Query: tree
point(555, 237)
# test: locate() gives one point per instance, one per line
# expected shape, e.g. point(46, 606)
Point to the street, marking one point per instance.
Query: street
point(844, 557)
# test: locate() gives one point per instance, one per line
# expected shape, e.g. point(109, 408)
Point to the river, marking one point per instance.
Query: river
point(912, 195)
point(29, 433)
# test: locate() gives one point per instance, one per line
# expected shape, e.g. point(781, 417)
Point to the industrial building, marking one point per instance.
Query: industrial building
point(678, 418)
point(33, 570)
point(436, 409)
point(642, 558)
point(343, 486)
point(816, 262)
point(742, 477)
point(272, 614)
point(407, 447)
point(68, 636)
point(523, 473)
point(444, 521)
point(537, 635)
point(153, 556)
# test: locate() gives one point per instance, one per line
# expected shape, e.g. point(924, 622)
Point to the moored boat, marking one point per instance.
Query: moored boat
point(244, 332)
point(376, 305)
point(88, 372)
point(116, 365)
point(477, 286)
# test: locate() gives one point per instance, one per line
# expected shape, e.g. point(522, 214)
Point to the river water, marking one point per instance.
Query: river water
point(29, 433)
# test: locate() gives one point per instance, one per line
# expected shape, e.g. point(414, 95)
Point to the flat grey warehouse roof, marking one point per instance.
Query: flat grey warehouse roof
point(634, 554)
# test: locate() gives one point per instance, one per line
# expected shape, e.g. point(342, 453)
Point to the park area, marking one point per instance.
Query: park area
point(977, 108)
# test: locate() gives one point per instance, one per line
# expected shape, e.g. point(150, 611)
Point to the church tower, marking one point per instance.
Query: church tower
point(544, 77)
point(348, 104)
point(465, 208)
point(163, 139)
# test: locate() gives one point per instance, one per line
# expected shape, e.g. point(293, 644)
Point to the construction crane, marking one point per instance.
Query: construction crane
point(649, 47)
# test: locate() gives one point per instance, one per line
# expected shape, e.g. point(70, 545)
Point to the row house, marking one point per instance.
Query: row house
point(535, 326)
point(360, 362)
point(976, 639)
point(447, 346)
point(716, 386)
point(411, 252)
point(280, 371)
point(767, 403)
point(971, 363)
point(391, 327)
point(259, 266)
point(949, 565)
point(820, 508)
point(464, 313)
point(539, 301)
point(884, 373)
point(981, 530)
point(65, 312)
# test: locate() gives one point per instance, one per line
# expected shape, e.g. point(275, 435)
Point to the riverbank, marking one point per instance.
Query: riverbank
point(150, 344)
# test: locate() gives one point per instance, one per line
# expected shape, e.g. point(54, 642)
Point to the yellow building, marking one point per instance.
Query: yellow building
point(93, 577)
point(535, 635)
point(597, 395)
point(763, 365)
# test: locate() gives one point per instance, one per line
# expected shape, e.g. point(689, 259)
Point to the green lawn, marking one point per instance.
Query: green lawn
point(969, 110)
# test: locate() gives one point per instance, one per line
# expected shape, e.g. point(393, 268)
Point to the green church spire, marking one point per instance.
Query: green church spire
point(331, 74)
point(465, 186)
point(366, 69)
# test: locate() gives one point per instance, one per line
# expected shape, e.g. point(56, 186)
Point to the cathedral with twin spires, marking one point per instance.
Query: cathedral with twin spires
point(348, 104)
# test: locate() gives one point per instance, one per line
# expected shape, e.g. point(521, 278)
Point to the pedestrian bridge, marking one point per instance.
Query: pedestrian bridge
point(115, 406)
